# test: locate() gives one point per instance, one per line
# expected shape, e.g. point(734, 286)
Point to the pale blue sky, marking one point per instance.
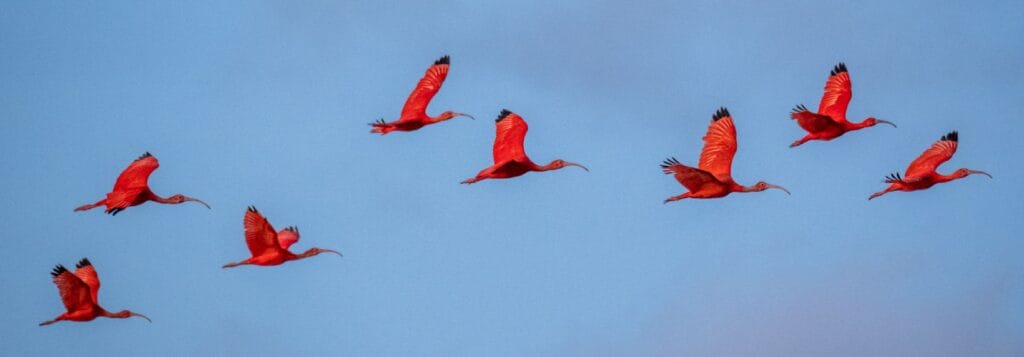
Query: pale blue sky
point(267, 103)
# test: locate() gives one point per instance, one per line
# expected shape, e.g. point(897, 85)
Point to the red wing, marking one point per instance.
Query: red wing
point(123, 198)
point(837, 94)
point(719, 146)
point(811, 122)
point(691, 178)
point(508, 142)
point(136, 175)
point(259, 234)
point(416, 106)
point(87, 274)
point(73, 292)
point(930, 160)
point(288, 236)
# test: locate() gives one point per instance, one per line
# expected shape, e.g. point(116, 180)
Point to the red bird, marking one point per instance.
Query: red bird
point(78, 292)
point(712, 178)
point(921, 173)
point(414, 113)
point(830, 120)
point(132, 188)
point(510, 158)
point(269, 247)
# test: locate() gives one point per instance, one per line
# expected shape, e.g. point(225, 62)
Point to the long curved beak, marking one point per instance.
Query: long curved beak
point(140, 315)
point(331, 251)
point(464, 115)
point(886, 122)
point(979, 172)
point(577, 165)
point(779, 187)
point(197, 200)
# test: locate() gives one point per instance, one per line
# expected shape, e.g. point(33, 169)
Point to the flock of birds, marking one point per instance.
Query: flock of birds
point(712, 178)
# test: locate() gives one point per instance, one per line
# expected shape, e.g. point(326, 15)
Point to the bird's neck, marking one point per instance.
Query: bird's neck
point(153, 197)
point(550, 166)
point(740, 188)
point(857, 126)
point(940, 178)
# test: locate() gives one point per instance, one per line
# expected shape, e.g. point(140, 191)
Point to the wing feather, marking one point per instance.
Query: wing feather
point(940, 152)
point(691, 178)
point(74, 293)
point(838, 92)
point(416, 105)
point(87, 273)
point(259, 234)
point(508, 142)
point(719, 146)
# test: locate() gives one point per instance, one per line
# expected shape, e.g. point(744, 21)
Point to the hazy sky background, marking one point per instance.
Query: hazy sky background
point(267, 104)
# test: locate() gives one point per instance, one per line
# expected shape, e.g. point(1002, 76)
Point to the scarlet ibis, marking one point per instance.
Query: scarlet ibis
point(830, 120)
point(132, 188)
point(269, 247)
point(510, 158)
point(712, 178)
point(414, 113)
point(921, 172)
point(78, 291)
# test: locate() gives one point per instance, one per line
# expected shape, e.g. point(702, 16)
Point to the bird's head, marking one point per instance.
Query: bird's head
point(179, 198)
point(761, 186)
point(964, 172)
point(314, 251)
point(872, 121)
point(450, 114)
point(123, 314)
point(558, 164)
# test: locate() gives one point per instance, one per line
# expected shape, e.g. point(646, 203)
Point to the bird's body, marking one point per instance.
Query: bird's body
point(712, 178)
point(79, 293)
point(414, 113)
point(830, 120)
point(921, 173)
point(132, 188)
point(269, 247)
point(509, 154)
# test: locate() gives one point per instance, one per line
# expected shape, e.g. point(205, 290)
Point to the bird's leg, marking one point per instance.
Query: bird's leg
point(44, 323)
point(471, 180)
point(887, 190)
point(232, 265)
point(94, 205)
point(677, 198)
point(801, 141)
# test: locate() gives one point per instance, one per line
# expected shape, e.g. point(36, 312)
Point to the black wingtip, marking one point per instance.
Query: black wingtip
point(144, 155)
point(839, 68)
point(951, 136)
point(893, 178)
point(669, 162)
point(58, 270)
point(252, 209)
point(443, 60)
point(800, 109)
point(83, 263)
point(721, 113)
point(504, 113)
point(292, 229)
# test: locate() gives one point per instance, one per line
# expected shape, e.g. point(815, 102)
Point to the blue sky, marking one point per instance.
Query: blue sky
point(266, 104)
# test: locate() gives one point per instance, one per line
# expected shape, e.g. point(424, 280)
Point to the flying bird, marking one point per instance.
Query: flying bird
point(270, 247)
point(712, 178)
point(414, 113)
point(78, 291)
point(132, 188)
point(921, 172)
point(830, 120)
point(510, 158)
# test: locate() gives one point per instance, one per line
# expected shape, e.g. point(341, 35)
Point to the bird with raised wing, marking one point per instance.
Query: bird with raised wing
point(270, 247)
point(414, 113)
point(510, 158)
point(79, 292)
point(132, 188)
point(712, 178)
point(830, 120)
point(921, 172)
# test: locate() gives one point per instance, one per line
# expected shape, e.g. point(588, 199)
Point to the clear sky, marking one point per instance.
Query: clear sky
point(266, 103)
